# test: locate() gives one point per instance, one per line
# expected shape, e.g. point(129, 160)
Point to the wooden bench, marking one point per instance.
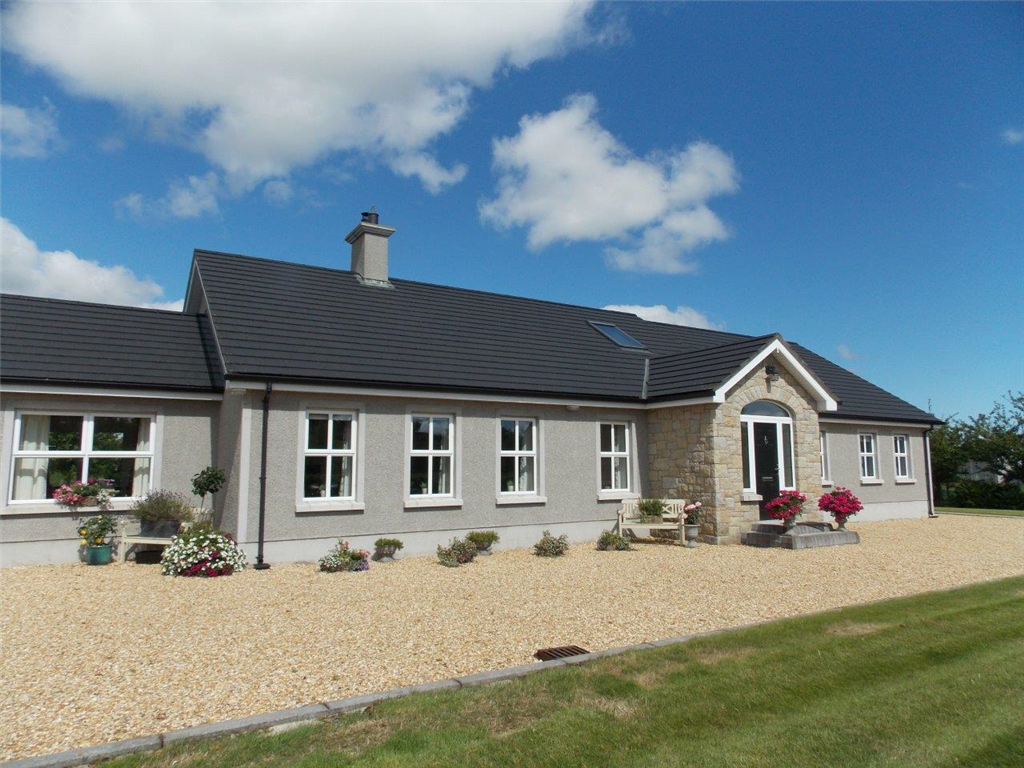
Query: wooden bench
point(673, 518)
point(127, 541)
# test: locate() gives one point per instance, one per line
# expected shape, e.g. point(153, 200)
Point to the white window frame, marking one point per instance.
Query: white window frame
point(905, 455)
point(747, 423)
point(826, 460)
point(352, 452)
point(452, 498)
point(616, 493)
point(872, 454)
point(88, 422)
point(517, 454)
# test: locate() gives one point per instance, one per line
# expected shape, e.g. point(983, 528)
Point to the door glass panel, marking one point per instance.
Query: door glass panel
point(744, 429)
point(787, 454)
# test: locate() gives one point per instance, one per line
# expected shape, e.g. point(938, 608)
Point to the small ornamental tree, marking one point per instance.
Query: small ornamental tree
point(841, 504)
point(207, 483)
point(787, 506)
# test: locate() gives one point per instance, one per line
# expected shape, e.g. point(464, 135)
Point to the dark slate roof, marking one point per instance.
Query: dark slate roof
point(52, 341)
point(278, 320)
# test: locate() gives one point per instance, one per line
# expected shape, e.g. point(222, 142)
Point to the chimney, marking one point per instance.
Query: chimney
point(369, 242)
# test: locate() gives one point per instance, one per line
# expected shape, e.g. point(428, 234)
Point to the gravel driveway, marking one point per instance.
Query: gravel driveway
point(91, 655)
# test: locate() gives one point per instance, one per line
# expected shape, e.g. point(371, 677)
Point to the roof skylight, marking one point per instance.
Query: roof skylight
point(617, 335)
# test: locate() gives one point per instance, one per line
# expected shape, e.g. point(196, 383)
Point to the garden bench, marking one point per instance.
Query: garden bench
point(128, 541)
point(673, 518)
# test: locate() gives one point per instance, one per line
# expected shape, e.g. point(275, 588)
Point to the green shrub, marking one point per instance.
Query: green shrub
point(981, 494)
point(551, 546)
point(207, 483)
point(651, 507)
point(344, 558)
point(388, 547)
point(158, 506)
point(609, 541)
point(94, 531)
point(458, 552)
point(482, 539)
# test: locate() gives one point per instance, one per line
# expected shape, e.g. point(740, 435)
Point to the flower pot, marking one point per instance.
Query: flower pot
point(692, 533)
point(789, 523)
point(98, 554)
point(484, 550)
point(160, 529)
point(841, 522)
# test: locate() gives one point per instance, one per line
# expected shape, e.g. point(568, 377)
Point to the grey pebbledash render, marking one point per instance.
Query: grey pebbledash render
point(422, 411)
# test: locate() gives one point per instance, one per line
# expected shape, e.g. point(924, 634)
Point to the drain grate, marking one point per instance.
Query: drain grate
point(559, 652)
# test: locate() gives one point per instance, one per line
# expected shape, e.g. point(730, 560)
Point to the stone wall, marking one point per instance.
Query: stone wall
point(695, 453)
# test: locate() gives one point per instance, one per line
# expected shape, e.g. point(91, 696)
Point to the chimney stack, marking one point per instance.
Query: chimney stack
point(369, 242)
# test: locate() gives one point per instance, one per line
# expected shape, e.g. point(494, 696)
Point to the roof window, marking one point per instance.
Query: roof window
point(619, 336)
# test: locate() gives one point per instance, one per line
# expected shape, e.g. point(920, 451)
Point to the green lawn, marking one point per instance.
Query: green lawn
point(968, 511)
point(935, 680)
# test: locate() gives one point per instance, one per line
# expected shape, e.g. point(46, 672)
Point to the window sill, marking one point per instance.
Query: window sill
point(617, 496)
point(117, 506)
point(870, 481)
point(906, 480)
point(521, 498)
point(826, 483)
point(330, 505)
point(432, 503)
point(748, 496)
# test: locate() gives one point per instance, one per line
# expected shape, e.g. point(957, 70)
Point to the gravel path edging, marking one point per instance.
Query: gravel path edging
point(311, 712)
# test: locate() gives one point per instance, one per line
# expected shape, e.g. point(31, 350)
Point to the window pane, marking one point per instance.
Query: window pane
point(606, 474)
point(420, 433)
point(620, 438)
point(317, 432)
point(442, 428)
point(341, 437)
point(508, 474)
point(39, 478)
point(787, 454)
point(118, 433)
point(418, 467)
point(51, 433)
point(606, 438)
point(442, 474)
point(764, 408)
point(621, 476)
point(341, 475)
point(525, 435)
point(746, 456)
point(315, 482)
point(526, 482)
point(508, 435)
point(129, 477)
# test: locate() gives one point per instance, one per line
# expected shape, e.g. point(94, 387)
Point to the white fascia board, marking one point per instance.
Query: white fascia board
point(824, 400)
point(683, 401)
point(419, 394)
point(213, 325)
point(80, 391)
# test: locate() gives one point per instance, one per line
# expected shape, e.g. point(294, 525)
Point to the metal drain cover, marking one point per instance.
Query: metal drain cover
point(559, 652)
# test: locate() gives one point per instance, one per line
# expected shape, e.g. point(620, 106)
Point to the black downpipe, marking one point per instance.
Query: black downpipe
point(260, 565)
point(928, 472)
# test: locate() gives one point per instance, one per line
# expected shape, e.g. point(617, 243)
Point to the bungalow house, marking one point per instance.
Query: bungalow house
point(347, 403)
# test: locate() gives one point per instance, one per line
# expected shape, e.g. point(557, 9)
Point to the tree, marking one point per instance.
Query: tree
point(996, 439)
point(207, 482)
point(949, 454)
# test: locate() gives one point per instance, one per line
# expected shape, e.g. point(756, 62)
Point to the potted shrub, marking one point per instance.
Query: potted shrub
point(385, 549)
point(841, 504)
point(92, 493)
point(94, 534)
point(344, 558)
point(161, 513)
point(483, 540)
point(458, 552)
point(786, 507)
point(202, 551)
point(207, 483)
point(651, 510)
point(551, 546)
point(609, 541)
point(691, 528)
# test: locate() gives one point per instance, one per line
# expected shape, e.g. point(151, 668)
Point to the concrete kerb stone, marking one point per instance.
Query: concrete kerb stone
point(255, 723)
point(496, 675)
point(585, 657)
point(89, 755)
point(356, 703)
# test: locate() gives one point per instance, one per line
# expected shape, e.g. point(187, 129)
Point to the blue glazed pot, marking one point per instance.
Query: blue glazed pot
point(98, 555)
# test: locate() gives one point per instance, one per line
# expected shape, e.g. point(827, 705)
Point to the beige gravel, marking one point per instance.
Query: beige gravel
point(92, 655)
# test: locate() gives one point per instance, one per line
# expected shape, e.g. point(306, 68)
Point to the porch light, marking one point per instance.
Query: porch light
point(772, 371)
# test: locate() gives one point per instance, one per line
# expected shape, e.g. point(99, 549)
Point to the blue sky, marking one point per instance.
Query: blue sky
point(850, 175)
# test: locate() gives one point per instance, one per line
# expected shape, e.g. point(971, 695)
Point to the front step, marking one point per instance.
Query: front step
point(805, 535)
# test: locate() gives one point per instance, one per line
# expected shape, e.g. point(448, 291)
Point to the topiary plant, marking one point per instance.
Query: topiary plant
point(609, 541)
point(551, 546)
point(207, 483)
point(483, 540)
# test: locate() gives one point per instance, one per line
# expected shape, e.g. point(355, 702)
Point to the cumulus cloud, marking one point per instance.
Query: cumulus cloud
point(278, 191)
point(846, 353)
point(659, 313)
point(565, 178)
point(186, 198)
point(1013, 135)
point(263, 88)
point(63, 275)
point(29, 131)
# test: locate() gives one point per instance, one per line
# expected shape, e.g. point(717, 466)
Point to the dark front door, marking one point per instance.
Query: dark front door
point(766, 463)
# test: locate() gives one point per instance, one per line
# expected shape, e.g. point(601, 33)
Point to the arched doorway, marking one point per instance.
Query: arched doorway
point(767, 431)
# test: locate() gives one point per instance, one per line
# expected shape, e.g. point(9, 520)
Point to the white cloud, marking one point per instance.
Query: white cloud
point(1013, 135)
point(565, 178)
point(264, 88)
point(846, 353)
point(63, 275)
point(29, 131)
point(185, 199)
point(659, 313)
point(111, 144)
point(278, 191)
